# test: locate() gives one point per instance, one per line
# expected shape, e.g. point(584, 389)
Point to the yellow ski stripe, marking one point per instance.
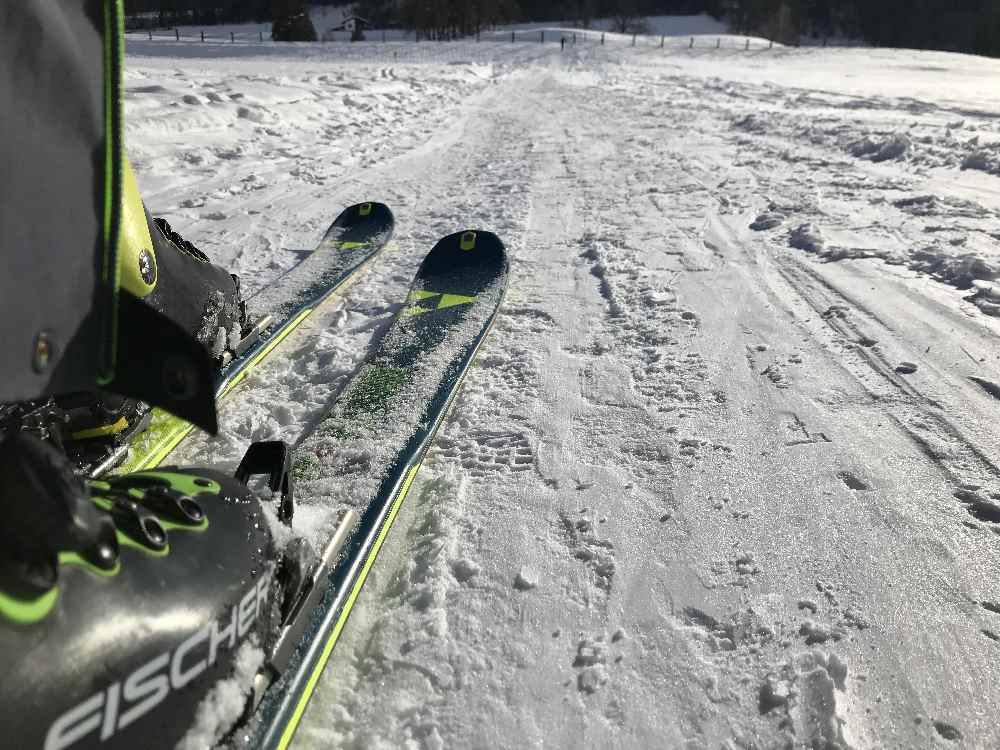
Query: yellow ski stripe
point(409, 312)
point(163, 447)
point(286, 736)
point(420, 294)
point(266, 350)
point(103, 431)
point(450, 300)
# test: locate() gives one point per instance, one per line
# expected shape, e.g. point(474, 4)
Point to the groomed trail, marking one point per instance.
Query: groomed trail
point(726, 474)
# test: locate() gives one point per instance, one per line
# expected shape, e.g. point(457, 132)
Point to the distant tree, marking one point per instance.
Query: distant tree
point(447, 19)
point(291, 22)
point(715, 9)
point(780, 20)
point(585, 10)
point(987, 34)
point(627, 18)
point(379, 13)
point(819, 18)
point(959, 25)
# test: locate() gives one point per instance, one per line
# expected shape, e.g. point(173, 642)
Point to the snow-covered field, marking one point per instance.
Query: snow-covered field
point(726, 472)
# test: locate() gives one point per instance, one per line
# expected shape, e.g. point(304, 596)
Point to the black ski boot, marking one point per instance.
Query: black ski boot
point(181, 557)
point(175, 278)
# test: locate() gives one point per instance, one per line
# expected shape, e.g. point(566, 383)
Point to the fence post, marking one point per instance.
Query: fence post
point(177, 33)
point(203, 36)
point(692, 43)
point(261, 35)
point(748, 44)
point(718, 43)
point(574, 37)
point(150, 35)
point(512, 37)
point(602, 38)
point(770, 44)
point(663, 38)
point(541, 36)
point(232, 37)
point(633, 40)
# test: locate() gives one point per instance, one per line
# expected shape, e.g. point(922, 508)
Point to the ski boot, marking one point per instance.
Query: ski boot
point(125, 602)
point(173, 277)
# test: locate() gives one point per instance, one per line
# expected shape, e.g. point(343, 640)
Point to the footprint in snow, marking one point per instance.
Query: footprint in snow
point(525, 580)
point(947, 731)
point(852, 482)
point(766, 221)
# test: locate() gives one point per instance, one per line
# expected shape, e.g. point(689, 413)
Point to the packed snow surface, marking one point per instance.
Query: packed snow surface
point(725, 474)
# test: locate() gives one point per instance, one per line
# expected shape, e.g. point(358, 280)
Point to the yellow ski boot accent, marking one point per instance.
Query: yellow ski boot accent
point(102, 431)
point(136, 258)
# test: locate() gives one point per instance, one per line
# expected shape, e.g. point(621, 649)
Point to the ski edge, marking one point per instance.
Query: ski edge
point(385, 526)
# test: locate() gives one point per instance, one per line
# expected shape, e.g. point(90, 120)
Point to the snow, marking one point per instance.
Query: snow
point(226, 701)
point(685, 498)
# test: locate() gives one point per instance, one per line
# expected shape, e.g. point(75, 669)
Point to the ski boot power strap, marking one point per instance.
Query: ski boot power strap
point(175, 278)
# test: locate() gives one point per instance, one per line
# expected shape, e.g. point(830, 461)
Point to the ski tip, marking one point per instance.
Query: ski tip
point(359, 225)
point(469, 239)
point(465, 251)
point(369, 211)
point(474, 243)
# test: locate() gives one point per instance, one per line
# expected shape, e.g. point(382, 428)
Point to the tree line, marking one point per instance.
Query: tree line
point(167, 13)
point(438, 19)
point(959, 25)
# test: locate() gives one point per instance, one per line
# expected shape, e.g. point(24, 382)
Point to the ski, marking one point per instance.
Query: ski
point(353, 239)
point(205, 598)
point(357, 465)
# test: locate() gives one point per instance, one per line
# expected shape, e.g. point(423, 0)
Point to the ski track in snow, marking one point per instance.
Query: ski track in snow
point(725, 473)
